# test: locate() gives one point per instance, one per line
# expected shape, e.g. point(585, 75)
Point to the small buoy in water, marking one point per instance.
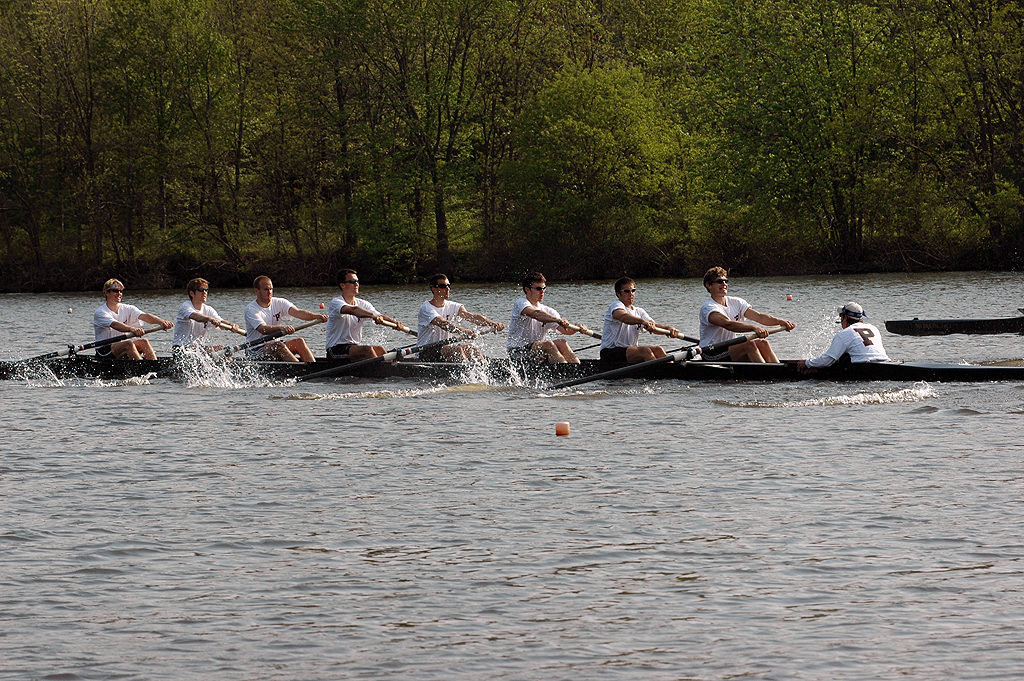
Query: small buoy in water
point(789, 297)
point(562, 428)
point(69, 310)
point(321, 306)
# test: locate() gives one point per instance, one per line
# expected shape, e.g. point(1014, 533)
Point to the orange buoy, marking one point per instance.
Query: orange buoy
point(562, 428)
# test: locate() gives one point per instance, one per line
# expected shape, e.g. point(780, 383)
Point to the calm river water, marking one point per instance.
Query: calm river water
point(399, 530)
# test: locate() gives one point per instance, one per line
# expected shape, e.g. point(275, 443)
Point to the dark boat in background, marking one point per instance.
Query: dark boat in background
point(945, 327)
point(502, 371)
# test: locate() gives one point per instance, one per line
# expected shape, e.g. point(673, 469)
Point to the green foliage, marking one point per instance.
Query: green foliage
point(595, 176)
point(587, 138)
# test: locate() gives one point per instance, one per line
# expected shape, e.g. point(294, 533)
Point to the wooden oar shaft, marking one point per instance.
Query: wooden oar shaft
point(228, 326)
point(667, 332)
point(586, 332)
point(403, 329)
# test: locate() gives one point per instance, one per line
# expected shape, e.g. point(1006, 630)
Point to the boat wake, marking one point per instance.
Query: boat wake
point(915, 393)
point(363, 394)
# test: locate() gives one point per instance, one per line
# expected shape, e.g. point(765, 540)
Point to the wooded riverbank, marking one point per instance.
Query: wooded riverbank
point(162, 140)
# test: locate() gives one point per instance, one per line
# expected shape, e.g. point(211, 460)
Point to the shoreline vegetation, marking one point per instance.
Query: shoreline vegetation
point(156, 141)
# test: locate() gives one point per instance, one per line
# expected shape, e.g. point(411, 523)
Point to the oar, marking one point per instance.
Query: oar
point(227, 326)
point(678, 356)
point(586, 332)
point(228, 352)
point(72, 349)
point(389, 356)
point(392, 325)
point(665, 331)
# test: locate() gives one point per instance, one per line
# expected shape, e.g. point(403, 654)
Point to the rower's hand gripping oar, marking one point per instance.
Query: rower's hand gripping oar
point(678, 356)
point(72, 349)
point(228, 352)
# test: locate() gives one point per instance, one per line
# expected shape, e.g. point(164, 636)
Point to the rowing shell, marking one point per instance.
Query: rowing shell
point(945, 327)
point(502, 371)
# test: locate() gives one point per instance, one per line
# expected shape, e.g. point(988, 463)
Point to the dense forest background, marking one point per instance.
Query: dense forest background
point(160, 139)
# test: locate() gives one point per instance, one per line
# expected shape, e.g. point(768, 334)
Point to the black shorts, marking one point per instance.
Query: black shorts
point(432, 354)
point(105, 352)
point(613, 355)
point(339, 351)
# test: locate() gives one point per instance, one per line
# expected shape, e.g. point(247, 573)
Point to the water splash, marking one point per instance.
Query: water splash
point(196, 368)
point(915, 393)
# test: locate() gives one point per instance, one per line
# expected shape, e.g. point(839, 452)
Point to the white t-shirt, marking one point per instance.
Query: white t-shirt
point(188, 330)
point(524, 330)
point(256, 315)
point(861, 341)
point(734, 309)
point(104, 317)
point(432, 333)
point(346, 328)
point(615, 334)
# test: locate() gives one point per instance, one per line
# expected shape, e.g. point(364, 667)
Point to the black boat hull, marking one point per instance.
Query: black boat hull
point(501, 371)
point(946, 327)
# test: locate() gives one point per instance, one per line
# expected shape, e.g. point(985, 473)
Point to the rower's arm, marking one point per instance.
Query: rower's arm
point(767, 319)
point(479, 319)
point(446, 325)
point(542, 316)
point(203, 319)
point(625, 317)
point(719, 319)
point(122, 327)
point(358, 312)
point(153, 319)
point(306, 315)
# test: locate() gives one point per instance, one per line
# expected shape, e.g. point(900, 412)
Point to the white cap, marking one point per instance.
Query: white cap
point(852, 310)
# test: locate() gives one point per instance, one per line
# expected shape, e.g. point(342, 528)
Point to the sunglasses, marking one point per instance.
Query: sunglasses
point(720, 281)
point(539, 288)
point(351, 281)
point(202, 290)
point(441, 286)
point(627, 290)
point(115, 290)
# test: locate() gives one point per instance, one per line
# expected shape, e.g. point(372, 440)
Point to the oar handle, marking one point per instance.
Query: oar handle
point(586, 332)
point(665, 331)
point(228, 326)
point(398, 327)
